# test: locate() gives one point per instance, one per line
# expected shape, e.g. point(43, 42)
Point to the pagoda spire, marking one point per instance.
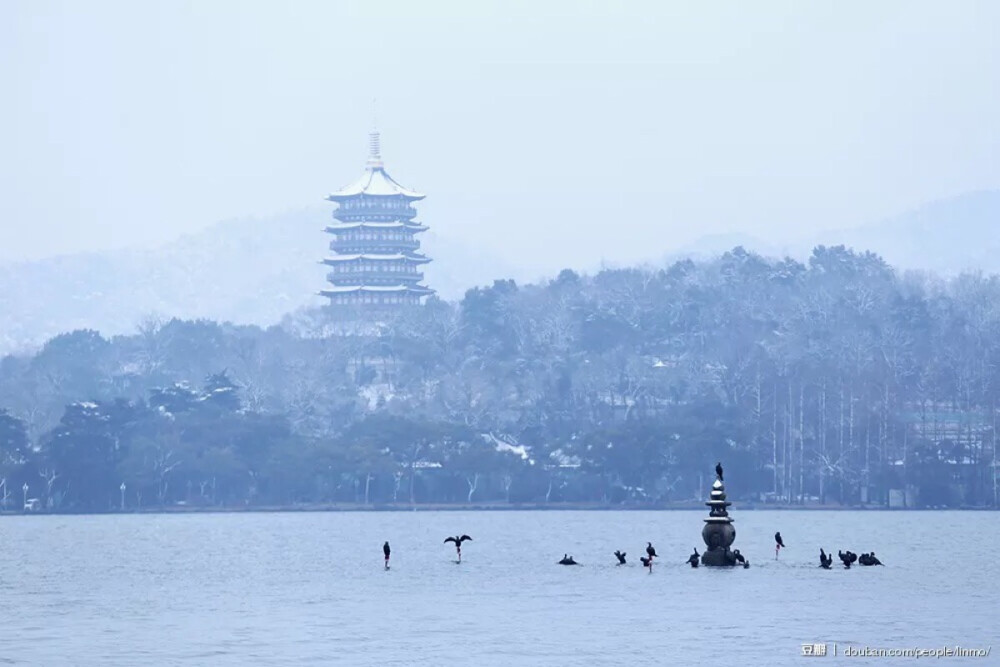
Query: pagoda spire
point(374, 150)
point(374, 141)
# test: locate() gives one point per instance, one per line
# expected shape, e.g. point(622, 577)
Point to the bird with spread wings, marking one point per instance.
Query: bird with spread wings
point(458, 539)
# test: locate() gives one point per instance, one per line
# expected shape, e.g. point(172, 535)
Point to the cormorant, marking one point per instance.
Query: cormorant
point(620, 555)
point(718, 470)
point(458, 539)
point(647, 561)
point(739, 557)
point(567, 560)
point(693, 558)
point(386, 550)
point(823, 562)
point(778, 544)
point(650, 551)
point(869, 559)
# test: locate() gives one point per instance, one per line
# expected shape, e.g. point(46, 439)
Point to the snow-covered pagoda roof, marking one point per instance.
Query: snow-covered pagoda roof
point(375, 181)
point(416, 259)
point(348, 289)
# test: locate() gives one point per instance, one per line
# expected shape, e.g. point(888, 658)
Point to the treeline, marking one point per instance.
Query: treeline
point(834, 381)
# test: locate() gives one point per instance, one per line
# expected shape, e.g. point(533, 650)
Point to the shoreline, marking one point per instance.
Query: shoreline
point(489, 507)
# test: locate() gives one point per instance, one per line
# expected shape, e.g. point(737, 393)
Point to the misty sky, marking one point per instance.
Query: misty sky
point(545, 132)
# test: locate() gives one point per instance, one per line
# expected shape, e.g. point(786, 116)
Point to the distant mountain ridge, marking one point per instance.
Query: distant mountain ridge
point(946, 236)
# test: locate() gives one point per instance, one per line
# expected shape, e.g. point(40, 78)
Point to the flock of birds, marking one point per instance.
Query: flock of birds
point(694, 560)
point(847, 558)
point(825, 560)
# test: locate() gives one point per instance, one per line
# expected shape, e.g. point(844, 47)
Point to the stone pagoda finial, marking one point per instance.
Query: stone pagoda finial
point(718, 532)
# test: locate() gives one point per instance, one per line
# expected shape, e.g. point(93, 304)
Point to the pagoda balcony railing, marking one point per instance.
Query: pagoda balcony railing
point(357, 246)
point(375, 213)
point(355, 298)
point(368, 277)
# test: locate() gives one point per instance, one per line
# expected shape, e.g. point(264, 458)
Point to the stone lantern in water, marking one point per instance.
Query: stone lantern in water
point(718, 532)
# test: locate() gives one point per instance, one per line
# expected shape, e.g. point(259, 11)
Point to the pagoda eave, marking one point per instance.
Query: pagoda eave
point(341, 259)
point(337, 197)
point(376, 289)
point(350, 226)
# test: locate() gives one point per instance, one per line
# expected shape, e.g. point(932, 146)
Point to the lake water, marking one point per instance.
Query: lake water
point(309, 588)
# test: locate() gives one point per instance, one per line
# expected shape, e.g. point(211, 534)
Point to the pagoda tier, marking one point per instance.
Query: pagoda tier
point(364, 237)
point(375, 295)
point(375, 247)
point(374, 208)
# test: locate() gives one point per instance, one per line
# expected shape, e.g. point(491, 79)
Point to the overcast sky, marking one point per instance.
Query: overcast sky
point(580, 131)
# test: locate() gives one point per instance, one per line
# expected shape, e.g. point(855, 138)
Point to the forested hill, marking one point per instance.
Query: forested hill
point(835, 380)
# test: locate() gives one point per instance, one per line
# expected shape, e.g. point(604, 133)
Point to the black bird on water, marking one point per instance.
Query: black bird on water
point(847, 558)
point(386, 550)
point(647, 561)
point(869, 559)
point(620, 555)
point(824, 560)
point(779, 544)
point(458, 539)
point(718, 470)
point(567, 560)
point(650, 551)
point(693, 558)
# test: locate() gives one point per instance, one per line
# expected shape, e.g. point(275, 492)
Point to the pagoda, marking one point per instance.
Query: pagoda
point(375, 260)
